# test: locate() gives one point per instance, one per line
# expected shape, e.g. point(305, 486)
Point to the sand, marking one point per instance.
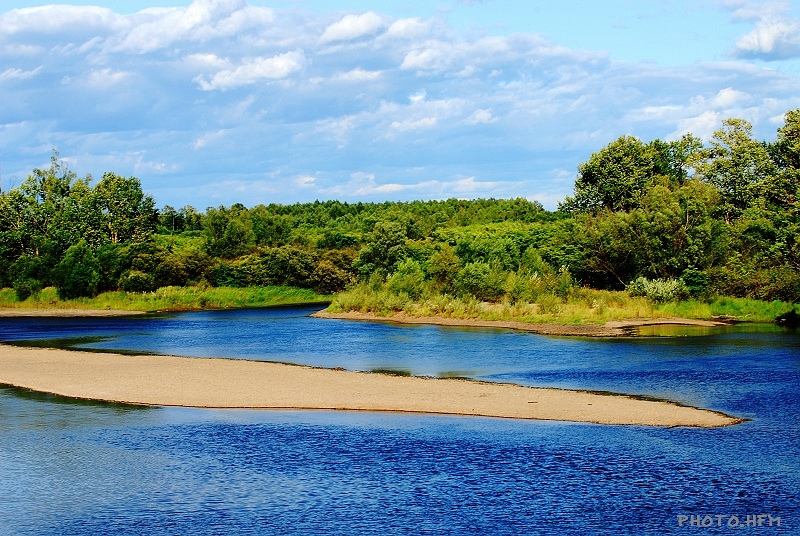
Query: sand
point(228, 383)
point(609, 329)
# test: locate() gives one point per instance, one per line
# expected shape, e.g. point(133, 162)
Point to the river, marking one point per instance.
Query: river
point(72, 467)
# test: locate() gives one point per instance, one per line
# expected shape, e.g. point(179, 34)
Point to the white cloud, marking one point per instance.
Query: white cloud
point(771, 40)
point(776, 35)
point(412, 28)
point(352, 27)
point(434, 57)
point(305, 182)
point(480, 117)
point(18, 74)
point(358, 75)
point(201, 21)
point(255, 70)
point(59, 19)
point(702, 125)
point(222, 89)
point(104, 79)
point(414, 124)
point(728, 97)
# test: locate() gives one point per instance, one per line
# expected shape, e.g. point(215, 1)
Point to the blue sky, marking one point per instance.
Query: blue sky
point(213, 102)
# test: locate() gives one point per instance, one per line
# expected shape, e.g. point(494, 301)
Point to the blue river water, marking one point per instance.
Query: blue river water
point(77, 467)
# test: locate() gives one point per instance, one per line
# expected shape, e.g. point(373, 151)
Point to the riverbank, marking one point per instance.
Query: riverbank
point(229, 383)
point(164, 299)
point(66, 313)
point(615, 328)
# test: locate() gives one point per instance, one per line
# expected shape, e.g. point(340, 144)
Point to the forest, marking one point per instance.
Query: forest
point(667, 220)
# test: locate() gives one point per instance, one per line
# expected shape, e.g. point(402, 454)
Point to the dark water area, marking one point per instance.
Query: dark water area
point(69, 467)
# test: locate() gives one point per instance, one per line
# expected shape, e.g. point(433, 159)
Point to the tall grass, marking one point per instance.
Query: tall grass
point(170, 299)
point(582, 306)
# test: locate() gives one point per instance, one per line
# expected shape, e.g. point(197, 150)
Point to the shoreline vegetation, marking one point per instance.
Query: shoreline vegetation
point(593, 313)
point(192, 298)
point(228, 383)
point(681, 228)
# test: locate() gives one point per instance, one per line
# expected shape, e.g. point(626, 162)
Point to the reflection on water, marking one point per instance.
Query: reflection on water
point(76, 467)
point(682, 330)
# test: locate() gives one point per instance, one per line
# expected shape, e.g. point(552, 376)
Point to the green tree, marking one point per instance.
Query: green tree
point(228, 232)
point(443, 266)
point(613, 178)
point(384, 248)
point(737, 165)
point(78, 274)
point(128, 214)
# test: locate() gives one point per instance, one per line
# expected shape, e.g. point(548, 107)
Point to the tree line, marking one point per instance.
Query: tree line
point(665, 219)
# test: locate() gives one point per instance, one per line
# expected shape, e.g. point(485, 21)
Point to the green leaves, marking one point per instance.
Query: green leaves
point(78, 274)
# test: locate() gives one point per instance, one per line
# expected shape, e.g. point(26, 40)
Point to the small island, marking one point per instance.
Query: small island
point(231, 383)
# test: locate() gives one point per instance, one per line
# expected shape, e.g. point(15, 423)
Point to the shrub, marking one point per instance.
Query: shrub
point(658, 290)
point(136, 281)
point(328, 278)
point(696, 281)
point(482, 281)
point(27, 287)
point(409, 279)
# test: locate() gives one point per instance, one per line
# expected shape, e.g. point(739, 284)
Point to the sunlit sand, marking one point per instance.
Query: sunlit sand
point(229, 383)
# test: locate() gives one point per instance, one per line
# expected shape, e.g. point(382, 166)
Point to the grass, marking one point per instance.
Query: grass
point(582, 306)
point(170, 299)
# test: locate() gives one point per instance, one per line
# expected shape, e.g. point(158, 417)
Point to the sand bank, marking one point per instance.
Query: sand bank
point(228, 383)
point(609, 329)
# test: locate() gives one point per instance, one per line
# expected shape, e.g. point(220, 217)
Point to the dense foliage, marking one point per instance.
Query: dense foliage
point(666, 220)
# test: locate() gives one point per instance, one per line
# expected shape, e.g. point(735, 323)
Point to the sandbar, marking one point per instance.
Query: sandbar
point(229, 383)
point(615, 328)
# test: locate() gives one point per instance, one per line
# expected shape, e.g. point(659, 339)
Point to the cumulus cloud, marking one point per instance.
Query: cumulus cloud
point(353, 27)
point(776, 35)
point(255, 70)
point(201, 21)
point(771, 40)
point(291, 105)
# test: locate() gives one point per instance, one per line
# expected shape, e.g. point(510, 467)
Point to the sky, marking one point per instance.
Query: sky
point(215, 102)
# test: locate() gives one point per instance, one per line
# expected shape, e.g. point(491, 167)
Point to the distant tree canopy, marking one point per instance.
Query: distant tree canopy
point(721, 218)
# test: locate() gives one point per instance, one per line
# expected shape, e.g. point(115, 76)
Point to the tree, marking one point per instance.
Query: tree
point(619, 175)
point(228, 232)
point(613, 178)
point(385, 247)
point(78, 274)
point(443, 266)
point(737, 165)
point(128, 214)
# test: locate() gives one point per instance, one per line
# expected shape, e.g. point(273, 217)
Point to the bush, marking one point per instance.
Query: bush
point(658, 290)
point(482, 281)
point(27, 287)
point(136, 281)
point(696, 281)
point(409, 279)
point(328, 278)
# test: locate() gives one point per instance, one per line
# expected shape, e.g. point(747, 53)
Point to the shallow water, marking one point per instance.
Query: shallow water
point(79, 468)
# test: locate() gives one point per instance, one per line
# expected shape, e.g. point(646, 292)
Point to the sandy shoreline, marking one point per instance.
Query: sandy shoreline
point(609, 329)
point(229, 383)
